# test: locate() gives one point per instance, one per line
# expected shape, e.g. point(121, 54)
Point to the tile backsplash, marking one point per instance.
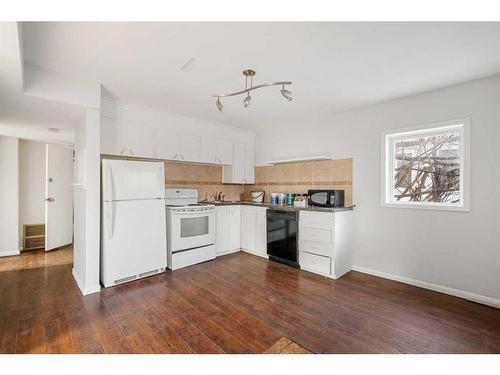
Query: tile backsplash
point(281, 178)
point(302, 176)
point(206, 178)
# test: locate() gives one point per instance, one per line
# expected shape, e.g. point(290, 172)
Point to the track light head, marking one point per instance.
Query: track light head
point(247, 100)
point(286, 93)
point(219, 104)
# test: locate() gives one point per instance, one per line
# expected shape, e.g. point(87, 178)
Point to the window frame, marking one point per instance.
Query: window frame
point(387, 142)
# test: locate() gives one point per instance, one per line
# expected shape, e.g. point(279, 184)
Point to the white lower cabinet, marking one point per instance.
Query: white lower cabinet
point(253, 230)
point(325, 241)
point(248, 228)
point(228, 229)
point(241, 227)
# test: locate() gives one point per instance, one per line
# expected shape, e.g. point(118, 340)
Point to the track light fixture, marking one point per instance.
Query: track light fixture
point(249, 73)
point(219, 104)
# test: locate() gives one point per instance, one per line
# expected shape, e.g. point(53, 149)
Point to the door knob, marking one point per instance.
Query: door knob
point(50, 199)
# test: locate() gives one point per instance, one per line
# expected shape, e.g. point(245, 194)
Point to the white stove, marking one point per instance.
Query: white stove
point(190, 228)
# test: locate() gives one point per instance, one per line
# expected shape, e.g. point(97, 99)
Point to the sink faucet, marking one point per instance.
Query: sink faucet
point(219, 197)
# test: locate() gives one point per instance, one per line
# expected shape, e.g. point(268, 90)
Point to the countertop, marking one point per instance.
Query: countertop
point(281, 207)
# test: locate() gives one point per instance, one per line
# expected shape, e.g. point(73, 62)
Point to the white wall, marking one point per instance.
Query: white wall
point(47, 84)
point(86, 198)
point(458, 250)
point(9, 196)
point(31, 183)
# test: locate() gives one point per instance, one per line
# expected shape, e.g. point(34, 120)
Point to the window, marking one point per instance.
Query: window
point(427, 166)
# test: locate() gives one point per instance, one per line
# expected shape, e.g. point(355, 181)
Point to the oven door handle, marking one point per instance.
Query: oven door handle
point(202, 213)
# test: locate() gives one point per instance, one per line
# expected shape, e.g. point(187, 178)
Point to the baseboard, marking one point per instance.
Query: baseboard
point(485, 300)
point(226, 253)
point(85, 291)
point(60, 247)
point(255, 253)
point(9, 253)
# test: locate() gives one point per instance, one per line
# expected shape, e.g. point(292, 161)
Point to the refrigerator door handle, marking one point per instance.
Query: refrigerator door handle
point(109, 219)
point(109, 183)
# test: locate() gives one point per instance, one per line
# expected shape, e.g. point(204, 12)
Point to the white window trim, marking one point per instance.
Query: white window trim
point(386, 164)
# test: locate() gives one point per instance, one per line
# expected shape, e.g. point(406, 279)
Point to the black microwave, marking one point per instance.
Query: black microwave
point(326, 198)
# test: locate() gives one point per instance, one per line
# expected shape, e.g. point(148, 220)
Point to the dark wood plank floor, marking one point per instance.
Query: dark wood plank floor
point(238, 303)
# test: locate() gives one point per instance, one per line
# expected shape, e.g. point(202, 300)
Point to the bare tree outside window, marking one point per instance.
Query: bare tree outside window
point(427, 168)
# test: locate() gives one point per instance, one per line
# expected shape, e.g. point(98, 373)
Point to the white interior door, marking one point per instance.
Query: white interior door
point(58, 196)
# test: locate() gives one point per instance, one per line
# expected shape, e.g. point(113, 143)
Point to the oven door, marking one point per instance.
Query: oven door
point(192, 229)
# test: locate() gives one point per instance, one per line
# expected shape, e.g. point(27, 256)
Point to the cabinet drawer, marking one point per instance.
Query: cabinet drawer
point(315, 263)
point(190, 257)
point(323, 220)
point(318, 248)
point(317, 235)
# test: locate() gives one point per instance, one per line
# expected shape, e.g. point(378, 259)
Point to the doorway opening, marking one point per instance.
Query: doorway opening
point(38, 177)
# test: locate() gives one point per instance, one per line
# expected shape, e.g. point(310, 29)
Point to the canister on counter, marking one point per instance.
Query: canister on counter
point(274, 198)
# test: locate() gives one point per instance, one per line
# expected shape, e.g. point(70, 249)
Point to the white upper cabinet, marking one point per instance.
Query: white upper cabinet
point(130, 130)
point(241, 171)
point(189, 146)
point(249, 166)
point(167, 143)
point(238, 166)
point(174, 145)
point(125, 138)
point(224, 151)
point(208, 147)
point(216, 150)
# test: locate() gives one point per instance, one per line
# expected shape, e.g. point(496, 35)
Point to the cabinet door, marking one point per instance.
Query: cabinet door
point(249, 165)
point(261, 231)
point(222, 230)
point(235, 225)
point(238, 166)
point(224, 151)
point(124, 138)
point(167, 143)
point(189, 147)
point(208, 150)
point(248, 228)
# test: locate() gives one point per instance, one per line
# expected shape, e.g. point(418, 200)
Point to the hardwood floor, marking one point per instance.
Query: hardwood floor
point(238, 303)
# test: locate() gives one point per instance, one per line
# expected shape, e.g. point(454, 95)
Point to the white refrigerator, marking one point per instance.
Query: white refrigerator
point(133, 229)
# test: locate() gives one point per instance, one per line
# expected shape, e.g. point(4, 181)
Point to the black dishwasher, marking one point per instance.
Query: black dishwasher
point(282, 236)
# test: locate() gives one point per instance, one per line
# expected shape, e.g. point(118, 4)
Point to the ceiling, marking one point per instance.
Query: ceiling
point(334, 66)
point(24, 116)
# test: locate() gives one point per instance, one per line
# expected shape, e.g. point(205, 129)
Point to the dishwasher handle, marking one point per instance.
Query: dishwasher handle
point(290, 215)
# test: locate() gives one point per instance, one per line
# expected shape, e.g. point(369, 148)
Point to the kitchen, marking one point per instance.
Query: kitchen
point(253, 187)
point(212, 207)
